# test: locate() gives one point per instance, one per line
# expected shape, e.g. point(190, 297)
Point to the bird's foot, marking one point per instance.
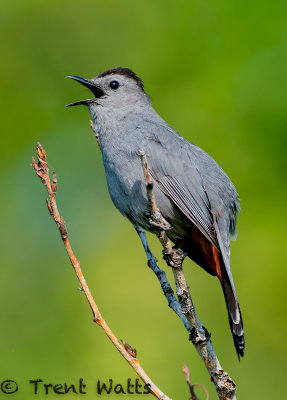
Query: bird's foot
point(174, 258)
point(159, 226)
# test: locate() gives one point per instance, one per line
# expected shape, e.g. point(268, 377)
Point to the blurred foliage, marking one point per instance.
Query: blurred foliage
point(216, 71)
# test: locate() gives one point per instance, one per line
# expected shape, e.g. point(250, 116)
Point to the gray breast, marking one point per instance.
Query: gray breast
point(126, 184)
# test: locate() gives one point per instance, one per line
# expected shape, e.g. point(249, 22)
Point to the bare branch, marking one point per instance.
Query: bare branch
point(199, 335)
point(156, 219)
point(191, 386)
point(41, 169)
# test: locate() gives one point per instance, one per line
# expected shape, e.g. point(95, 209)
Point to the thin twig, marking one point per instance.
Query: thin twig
point(191, 386)
point(41, 169)
point(156, 219)
point(200, 337)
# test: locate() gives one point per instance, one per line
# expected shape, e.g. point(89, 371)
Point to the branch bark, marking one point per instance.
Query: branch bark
point(42, 170)
point(200, 337)
point(191, 386)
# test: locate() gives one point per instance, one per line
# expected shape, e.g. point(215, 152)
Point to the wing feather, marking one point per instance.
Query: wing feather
point(180, 180)
point(192, 180)
point(188, 205)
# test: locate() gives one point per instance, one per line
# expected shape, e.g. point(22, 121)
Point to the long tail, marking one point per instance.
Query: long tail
point(205, 254)
point(234, 315)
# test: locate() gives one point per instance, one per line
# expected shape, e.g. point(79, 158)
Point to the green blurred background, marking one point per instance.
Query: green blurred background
point(216, 71)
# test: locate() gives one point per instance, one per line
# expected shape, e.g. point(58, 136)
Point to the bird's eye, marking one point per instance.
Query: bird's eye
point(114, 85)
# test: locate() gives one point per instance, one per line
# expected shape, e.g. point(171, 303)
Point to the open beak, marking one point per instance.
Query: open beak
point(90, 85)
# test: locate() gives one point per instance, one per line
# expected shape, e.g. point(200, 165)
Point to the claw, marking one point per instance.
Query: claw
point(175, 258)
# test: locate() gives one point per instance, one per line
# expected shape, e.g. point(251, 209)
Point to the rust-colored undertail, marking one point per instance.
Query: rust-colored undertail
point(207, 256)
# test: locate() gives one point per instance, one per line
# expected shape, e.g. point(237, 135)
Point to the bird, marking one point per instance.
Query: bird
point(193, 193)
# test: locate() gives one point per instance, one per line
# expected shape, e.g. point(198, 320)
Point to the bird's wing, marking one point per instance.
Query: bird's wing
point(172, 167)
point(182, 170)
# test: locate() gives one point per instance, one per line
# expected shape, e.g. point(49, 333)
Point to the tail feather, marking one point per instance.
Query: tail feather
point(234, 316)
point(204, 253)
point(233, 309)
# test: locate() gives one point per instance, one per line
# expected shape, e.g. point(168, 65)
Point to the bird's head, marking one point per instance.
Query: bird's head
point(116, 88)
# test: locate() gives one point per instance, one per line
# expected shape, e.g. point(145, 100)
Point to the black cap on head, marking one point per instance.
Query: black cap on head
point(123, 71)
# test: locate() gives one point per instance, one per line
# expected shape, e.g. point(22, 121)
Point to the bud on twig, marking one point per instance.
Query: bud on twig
point(63, 229)
point(132, 352)
point(41, 154)
point(54, 183)
point(37, 169)
point(50, 208)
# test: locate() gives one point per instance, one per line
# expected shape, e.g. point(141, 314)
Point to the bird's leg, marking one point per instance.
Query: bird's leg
point(175, 258)
point(181, 254)
point(161, 276)
point(157, 224)
point(172, 256)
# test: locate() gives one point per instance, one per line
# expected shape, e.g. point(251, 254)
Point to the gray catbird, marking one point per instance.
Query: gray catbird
point(191, 191)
